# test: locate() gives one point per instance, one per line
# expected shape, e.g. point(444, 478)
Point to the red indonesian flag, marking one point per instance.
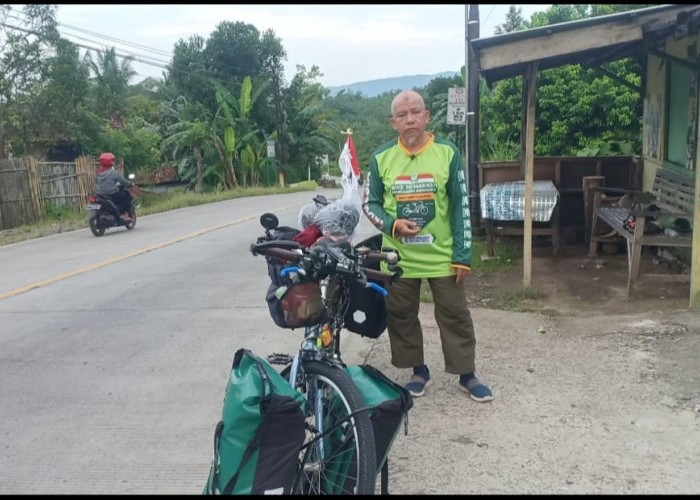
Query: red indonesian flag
point(350, 172)
point(353, 157)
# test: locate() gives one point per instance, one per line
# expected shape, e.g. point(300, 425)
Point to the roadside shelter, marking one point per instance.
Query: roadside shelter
point(667, 38)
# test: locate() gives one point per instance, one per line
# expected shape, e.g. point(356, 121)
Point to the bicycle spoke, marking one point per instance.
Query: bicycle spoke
point(338, 432)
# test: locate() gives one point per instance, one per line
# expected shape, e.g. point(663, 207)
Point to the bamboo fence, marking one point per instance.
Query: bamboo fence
point(17, 207)
point(85, 170)
point(28, 187)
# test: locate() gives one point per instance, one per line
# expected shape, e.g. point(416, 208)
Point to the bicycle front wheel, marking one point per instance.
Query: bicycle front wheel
point(339, 456)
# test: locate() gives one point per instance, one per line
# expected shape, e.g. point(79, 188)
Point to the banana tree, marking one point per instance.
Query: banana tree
point(233, 118)
point(186, 138)
point(253, 161)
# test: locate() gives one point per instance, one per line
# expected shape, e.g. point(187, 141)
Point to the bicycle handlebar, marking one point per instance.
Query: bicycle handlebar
point(272, 249)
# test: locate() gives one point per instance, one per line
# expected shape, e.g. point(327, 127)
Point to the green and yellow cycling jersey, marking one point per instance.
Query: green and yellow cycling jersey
point(429, 188)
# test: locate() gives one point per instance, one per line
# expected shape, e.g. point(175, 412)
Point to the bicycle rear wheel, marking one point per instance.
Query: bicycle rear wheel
point(339, 456)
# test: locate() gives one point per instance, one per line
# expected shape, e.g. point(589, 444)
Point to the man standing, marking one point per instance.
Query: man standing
point(416, 194)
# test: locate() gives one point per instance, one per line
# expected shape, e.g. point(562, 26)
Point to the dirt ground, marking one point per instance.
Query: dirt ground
point(594, 393)
point(573, 284)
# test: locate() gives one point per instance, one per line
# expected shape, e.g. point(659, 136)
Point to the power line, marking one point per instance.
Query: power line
point(489, 14)
point(157, 61)
point(124, 42)
point(100, 35)
point(132, 56)
point(123, 56)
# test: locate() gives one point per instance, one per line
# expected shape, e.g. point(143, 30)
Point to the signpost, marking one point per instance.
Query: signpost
point(271, 148)
point(271, 160)
point(457, 106)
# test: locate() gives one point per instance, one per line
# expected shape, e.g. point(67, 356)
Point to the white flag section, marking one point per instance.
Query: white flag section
point(340, 218)
point(349, 174)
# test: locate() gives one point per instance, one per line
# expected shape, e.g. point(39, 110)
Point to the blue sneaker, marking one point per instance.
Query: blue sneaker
point(473, 386)
point(416, 386)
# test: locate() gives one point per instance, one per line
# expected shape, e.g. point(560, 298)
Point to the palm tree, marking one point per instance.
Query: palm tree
point(111, 79)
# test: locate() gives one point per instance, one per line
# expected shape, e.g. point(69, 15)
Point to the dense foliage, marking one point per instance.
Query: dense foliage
point(224, 96)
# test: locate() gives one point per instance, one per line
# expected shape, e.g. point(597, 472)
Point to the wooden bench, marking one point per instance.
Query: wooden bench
point(674, 196)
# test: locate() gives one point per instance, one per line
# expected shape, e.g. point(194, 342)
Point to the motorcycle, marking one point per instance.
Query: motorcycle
point(103, 213)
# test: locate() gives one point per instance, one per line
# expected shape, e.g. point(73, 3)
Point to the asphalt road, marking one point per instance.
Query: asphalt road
point(115, 351)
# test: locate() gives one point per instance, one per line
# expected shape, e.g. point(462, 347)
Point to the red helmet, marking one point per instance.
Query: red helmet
point(107, 159)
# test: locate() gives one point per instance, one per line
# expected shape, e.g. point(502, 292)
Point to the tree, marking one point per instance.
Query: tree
point(577, 107)
point(137, 144)
point(308, 131)
point(514, 21)
point(189, 74)
point(235, 130)
point(273, 55)
point(233, 51)
point(367, 117)
point(435, 95)
point(186, 138)
point(27, 39)
point(52, 114)
point(111, 79)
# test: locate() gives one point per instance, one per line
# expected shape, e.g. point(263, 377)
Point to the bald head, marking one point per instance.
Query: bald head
point(408, 97)
point(410, 118)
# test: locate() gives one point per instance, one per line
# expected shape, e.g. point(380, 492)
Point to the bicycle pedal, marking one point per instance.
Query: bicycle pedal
point(278, 358)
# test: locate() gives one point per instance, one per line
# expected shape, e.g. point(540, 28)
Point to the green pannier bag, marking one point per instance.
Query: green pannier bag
point(389, 404)
point(261, 432)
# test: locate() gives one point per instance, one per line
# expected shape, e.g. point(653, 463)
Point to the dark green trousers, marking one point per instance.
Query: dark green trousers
point(451, 313)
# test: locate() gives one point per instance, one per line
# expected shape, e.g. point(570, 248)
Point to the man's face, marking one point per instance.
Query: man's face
point(410, 118)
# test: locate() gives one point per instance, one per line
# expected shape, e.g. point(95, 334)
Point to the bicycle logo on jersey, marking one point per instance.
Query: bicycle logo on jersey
point(415, 208)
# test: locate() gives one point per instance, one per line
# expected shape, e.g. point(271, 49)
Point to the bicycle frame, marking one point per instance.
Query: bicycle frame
point(313, 347)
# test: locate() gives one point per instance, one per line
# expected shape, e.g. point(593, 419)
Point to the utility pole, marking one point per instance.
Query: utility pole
point(466, 83)
point(472, 120)
point(278, 116)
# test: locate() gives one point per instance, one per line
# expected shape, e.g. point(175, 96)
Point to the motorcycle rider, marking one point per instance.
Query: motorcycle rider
point(108, 181)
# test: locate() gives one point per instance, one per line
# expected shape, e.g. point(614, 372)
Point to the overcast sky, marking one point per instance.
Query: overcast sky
point(349, 43)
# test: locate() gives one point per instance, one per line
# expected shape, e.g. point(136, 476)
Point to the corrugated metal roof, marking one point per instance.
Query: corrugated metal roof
point(509, 54)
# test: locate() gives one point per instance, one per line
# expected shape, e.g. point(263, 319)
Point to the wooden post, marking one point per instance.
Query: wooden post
point(35, 187)
point(695, 248)
point(589, 181)
point(84, 170)
point(523, 124)
point(531, 78)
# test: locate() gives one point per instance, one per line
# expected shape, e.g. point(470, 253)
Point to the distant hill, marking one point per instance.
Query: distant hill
point(374, 88)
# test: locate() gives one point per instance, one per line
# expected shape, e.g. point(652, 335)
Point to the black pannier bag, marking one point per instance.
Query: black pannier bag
point(261, 432)
point(366, 314)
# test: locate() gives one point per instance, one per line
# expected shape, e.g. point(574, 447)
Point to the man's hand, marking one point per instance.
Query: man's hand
point(405, 227)
point(461, 274)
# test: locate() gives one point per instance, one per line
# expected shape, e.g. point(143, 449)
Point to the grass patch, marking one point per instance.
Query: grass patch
point(510, 254)
point(151, 203)
point(516, 301)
